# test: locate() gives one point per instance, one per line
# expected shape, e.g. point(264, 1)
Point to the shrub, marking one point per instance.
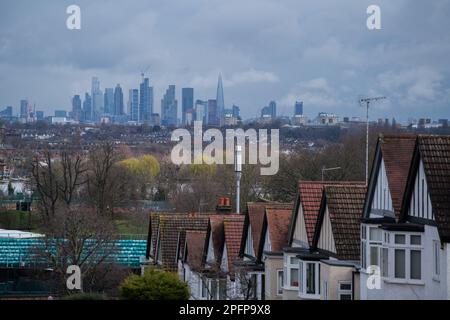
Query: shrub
point(154, 285)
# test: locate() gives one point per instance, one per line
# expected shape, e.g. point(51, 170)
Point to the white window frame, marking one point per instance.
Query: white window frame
point(436, 260)
point(288, 266)
point(407, 247)
point(345, 292)
point(303, 280)
point(280, 283)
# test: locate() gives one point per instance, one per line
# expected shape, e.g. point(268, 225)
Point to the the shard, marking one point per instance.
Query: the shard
point(220, 100)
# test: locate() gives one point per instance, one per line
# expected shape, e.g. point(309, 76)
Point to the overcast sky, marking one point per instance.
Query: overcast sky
point(320, 52)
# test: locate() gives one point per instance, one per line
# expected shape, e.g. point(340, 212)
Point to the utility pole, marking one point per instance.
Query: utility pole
point(367, 101)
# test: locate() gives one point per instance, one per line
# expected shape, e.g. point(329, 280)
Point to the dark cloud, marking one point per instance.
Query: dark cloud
point(317, 51)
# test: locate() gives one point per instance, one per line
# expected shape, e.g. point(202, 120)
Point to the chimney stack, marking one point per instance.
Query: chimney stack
point(224, 205)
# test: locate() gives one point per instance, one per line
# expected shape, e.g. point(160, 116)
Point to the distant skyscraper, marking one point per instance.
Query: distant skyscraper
point(87, 107)
point(24, 109)
point(97, 100)
point(39, 115)
point(236, 111)
point(134, 104)
point(109, 101)
point(220, 101)
point(187, 103)
point(169, 108)
point(145, 101)
point(201, 111)
point(7, 112)
point(298, 108)
point(213, 118)
point(76, 107)
point(118, 101)
point(273, 109)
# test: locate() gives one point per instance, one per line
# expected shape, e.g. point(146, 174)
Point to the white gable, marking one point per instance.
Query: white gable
point(420, 204)
point(210, 256)
point(326, 238)
point(224, 262)
point(300, 237)
point(382, 199)
point(249, 243)
point(267, 242)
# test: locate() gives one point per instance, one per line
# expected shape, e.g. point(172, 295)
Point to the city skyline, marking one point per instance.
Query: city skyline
point(325, 60)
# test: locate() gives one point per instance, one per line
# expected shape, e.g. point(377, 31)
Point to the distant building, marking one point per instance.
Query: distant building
point(40, 115)
point(187, 103)
point(97, 100)
point(7, 112)
point(298, 109)
point(118, 101)
point(76, 107)
point(169, 108)
point(87, 107)
point(269, 111)
point(299, 120)
point(108, 101)
point(145, 101)
point(155, 119)
point(60, 113)
point(134, 104)
point(326, 119)
point(24, 109)
point(236, 111)
point(220, 101)
point(213, 117)
point(201, 111)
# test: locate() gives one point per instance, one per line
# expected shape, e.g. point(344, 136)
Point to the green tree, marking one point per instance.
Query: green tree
point(154, 285)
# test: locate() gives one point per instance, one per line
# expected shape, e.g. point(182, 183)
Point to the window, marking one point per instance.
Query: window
point(310, 272)
point(385, 262)
point(375, 239)
point(415, 264)
point(399, 263)
point(203, 289)
point(310, 278)
point(436, 259)
point(291, 268)
point(279, 282)
point(345, 290)
point(407, 256)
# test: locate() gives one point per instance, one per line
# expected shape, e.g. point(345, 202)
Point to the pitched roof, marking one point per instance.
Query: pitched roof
point(435, 154)
point(277, 225)
point(195, 248)
point(255, 216)
point(397, 152)
point(233, 227)
point(345, 204)
point(170, 226)
point(309, 195)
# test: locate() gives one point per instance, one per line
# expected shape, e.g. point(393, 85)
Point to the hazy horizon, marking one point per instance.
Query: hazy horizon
point(318, 52)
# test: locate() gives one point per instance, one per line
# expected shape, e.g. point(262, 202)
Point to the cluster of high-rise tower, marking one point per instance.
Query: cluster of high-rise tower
point(108, 105)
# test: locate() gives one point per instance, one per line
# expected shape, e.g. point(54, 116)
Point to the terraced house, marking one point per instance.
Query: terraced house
point(405, 230)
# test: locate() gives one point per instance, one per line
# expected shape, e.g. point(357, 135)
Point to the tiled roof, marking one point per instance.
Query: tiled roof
point(218, 234)
point(309, 196)
point(278, 220)
point(397, 152)
point(435, 155)
point(170, 226)
point(256, 212)
point(195, 248)
point(233, 227)
point(345, 204)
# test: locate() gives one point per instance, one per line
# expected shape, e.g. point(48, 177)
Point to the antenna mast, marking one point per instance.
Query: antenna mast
point(367, 101)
